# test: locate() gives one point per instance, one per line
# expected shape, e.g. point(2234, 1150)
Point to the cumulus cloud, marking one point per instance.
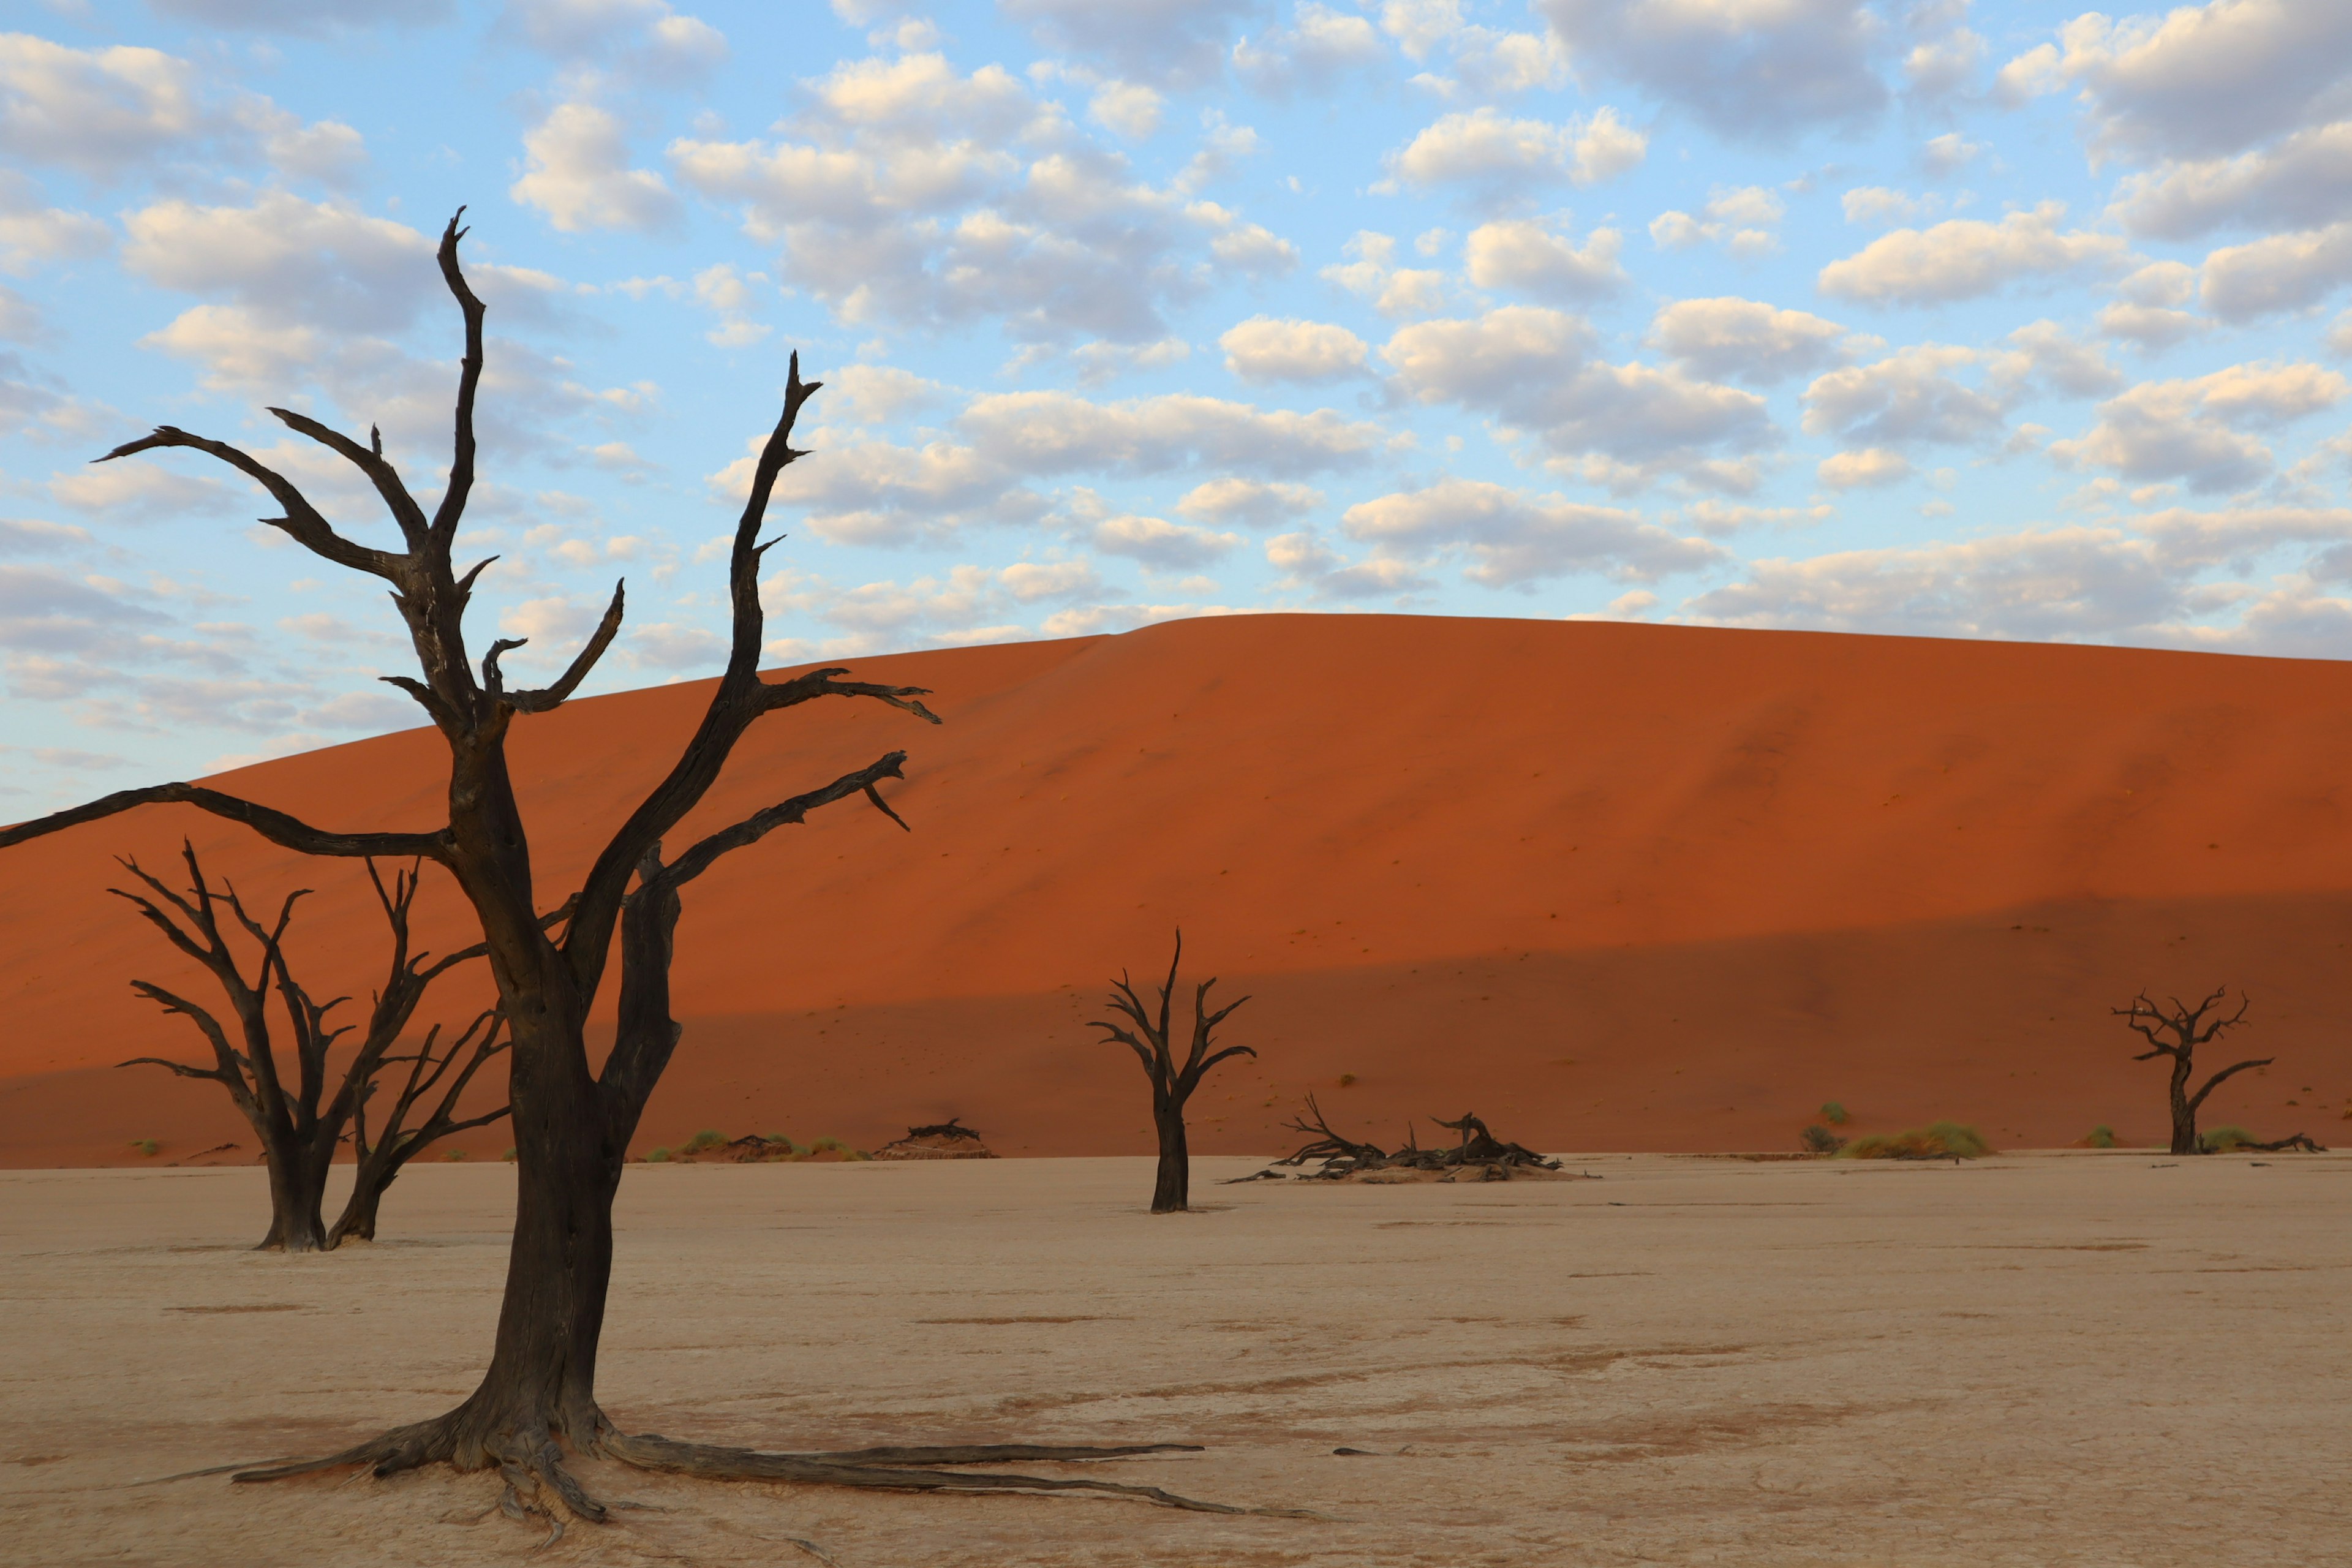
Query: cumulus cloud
point(1311, 566)
point(2199, 82)
point(641, 38)
point(2303, 181)
point(102, 112)
point(1255, 503)
point(1486, 152)
point(578, 173)
point(1768, 71)
point(2202, 431)
point(1318, 47)
point(1730, 338)
point(1966, 258)
point(906, 192)
point(1510, 538)
point(33, 233)
point(1156, 541)
point(1263, 348)
point(2281, 272)
point(304, 17)
point(1910, 397)
point(1532, 368)
point(1740, 219)
point(1871, 465)
point(2143, 585)
point(2147, 309)
point(1528, 256)
point(870, 492)
point(1374, 276)
point(1174, 42)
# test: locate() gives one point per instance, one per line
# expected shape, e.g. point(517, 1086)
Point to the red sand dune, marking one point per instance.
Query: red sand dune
point(1611, 886)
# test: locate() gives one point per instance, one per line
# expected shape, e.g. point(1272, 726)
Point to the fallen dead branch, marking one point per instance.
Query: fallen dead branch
point(1341, 1158)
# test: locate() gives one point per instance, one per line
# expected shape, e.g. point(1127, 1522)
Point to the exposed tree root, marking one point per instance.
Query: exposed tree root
point(539, 1487)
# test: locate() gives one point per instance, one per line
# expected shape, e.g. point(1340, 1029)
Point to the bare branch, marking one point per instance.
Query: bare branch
point(214, 1074)
point(758, 825)
point(541, 700)
point(2214, 1082)
point(369, 461)
point(470, 378)
point(818, 683)
point(302, 522)
point(271, 824)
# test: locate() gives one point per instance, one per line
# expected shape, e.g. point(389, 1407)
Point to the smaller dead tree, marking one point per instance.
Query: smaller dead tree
point(300, 1124)
point(1171, 1085)
point(2177, 1032)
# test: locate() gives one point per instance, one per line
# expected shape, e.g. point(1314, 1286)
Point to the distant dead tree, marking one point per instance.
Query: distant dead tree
point(1171, 1085)
point(299, 1125)
point(572, 1122)
point(2177, 1031)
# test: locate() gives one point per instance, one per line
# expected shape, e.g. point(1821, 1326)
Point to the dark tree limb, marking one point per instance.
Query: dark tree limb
point(2176, 1032)
point(541, 700)
point(270, 823)
point(302, 522)
point(1172, 1083)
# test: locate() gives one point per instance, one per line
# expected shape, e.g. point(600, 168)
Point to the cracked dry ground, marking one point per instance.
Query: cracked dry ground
point(2096, 1358)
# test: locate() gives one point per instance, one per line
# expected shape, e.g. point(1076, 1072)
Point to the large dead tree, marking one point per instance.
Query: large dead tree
point(1172, 1083)
point(571, 1123)
point(2176, 1032)
point(300, 1123)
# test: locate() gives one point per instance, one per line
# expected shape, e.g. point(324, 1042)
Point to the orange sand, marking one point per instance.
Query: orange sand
point(1610, 885)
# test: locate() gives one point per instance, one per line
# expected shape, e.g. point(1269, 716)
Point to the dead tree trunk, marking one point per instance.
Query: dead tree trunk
point(299, 1125)
point(2188, 1028)
point(571, 1123)
point(1171, 1085)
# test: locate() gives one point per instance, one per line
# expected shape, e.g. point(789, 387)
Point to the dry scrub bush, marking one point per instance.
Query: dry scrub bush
point(1936, 1141)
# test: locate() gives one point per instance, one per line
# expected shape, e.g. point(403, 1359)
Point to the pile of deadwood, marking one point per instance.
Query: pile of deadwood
point(1476, 1156)
point(949, 1140)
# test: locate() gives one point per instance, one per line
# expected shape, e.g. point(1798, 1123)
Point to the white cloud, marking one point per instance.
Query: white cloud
point(1532, 368)
point(2146, 309)
point(1511, 538)
point(1374, 276)
point(1263, 350)
point(1129, 108)
point(906, 192)
point(1319, 45)
point(876, 394)
point(2300, 182)
point(1054, 432)
point(2282, 272)
point(1731, 339)
point(2043, 356)
point(1308, 564)
point(643, 38)
point(1156, 541)
point(32, 234)
point(102, 112)
point(1948, 154)
point(1740, 218)
point(1909, 397)
point(2201, 79)
point(1871, 465)
point(1747, 68)
point(1255, 503)
point(1966, 258)
point(2201, 431)
point(1528, 256)
point(1173, 42)
point(578, 173)
point(1483, 149)
point(1943, 67)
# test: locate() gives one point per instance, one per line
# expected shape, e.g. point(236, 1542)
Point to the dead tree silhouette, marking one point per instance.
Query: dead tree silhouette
point(2188, 1027)
point(1172, 1084)
point(537, 1399)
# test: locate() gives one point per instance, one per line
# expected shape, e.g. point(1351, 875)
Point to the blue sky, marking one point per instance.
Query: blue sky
point(1947, 319)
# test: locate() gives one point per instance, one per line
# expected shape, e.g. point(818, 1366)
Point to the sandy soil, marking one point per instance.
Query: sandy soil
point(2087, 1359)
point(1645, 886)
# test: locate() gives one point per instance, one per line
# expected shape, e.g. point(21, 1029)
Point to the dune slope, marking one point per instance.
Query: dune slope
point(1611, 886)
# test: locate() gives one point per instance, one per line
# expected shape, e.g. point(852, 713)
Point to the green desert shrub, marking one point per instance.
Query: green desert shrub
point(145, 1145)
point(509, 1156)
point(2222, 1140)
point(824, 1145)
point(1820, 1140)
point(2099, 1137)
point(706, 1139)
point(657, 1156)
point(1834, 1114)
point(454, 1155)
point(1936, 1141)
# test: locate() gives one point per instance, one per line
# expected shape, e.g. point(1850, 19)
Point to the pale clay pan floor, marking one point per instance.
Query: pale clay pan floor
point(2093, 1359)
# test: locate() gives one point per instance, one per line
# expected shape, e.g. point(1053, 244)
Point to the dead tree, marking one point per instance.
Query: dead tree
point(299, 1125)
point(1343, 1156)
point(571, 1123)
point(2188, 1027)
point(1171, 1085)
